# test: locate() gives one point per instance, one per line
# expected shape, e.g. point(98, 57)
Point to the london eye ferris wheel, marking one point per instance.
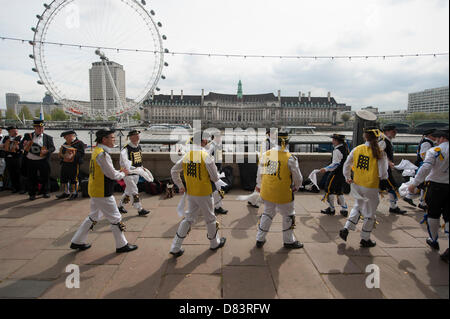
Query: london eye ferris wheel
point(99, 58)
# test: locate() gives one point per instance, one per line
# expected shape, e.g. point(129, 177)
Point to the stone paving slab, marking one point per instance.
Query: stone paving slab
point(327, 260)
point(7, 267)
point(23, 288)
point(248, 282)
point(197, 259)
point(51, 229)
point(10, 235)
point(351, 287)
point(25, 248)
point(295, 277)
point(139, 275)
point(395, 283)
point(93, 279)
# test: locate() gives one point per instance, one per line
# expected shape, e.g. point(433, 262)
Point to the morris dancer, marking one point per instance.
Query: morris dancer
point(101, 189)
point(131, 158)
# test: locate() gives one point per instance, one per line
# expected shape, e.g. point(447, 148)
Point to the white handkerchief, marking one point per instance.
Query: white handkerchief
point(313, 177)
point(145, 173)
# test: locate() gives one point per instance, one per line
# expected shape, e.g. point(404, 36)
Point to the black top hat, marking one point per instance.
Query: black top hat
point(38, 123)
point(103, 133)
point(429, 131)
point(9, 128)
point(63, 134)
point(373, 130)
point(440, 133)
point(338, 137)
point(133, 132)
point(389, 128)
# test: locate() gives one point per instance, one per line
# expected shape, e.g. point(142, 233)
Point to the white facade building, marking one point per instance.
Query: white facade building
point(429, 101)
point(100, 85)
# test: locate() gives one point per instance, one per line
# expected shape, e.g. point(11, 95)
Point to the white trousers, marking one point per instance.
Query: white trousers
point(131, 190)
point(340, 200)
point(287, 211)
point(102, 207)
point(366, 203)
point(197, 205)
point(217, 200)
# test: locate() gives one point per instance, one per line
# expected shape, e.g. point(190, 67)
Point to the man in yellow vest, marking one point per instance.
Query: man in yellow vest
point(278, 178)
point(199, 171)
point(369, 165)
point(102, 176)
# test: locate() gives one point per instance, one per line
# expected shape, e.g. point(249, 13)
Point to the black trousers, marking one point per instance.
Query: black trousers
point(13, 169)
point(436, 197)
point(335, 184)
point(43, 168)
point(69, 173)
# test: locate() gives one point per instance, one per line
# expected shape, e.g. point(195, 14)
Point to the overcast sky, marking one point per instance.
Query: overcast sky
point(262, 27)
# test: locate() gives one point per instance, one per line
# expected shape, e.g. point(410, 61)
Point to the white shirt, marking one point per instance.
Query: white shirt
point(297, 178)
point(105, 162)
point(435, 166)
point(425, 147)
point(210, 166)
point(336, 161)
point(39, 140)
point(124, 161)
point(382, 165)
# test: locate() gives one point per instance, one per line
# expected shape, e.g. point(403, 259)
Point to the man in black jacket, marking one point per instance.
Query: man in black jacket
point(13, 155)
point(390, 132)
point(38, 147)
point(71, 154)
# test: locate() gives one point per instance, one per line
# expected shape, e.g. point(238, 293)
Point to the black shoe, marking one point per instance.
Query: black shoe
point(62, 196)
point(32, 197)
point(343, 233)
point(177, 254)
point(294, 245)
point(220, 211)
point(73, 197)
point(409, 201)
point(222, 243)
point(424, 207)
point(328, 211)
point(80, 247)
point(433, 244)
point(397, 210)
point(126, 248)
point(143, 212)
point(344, 213)
point(260, 244)
point(123, 210)
point(444, 256)
point(254, 206)
point(46, 195)
point(367, 243)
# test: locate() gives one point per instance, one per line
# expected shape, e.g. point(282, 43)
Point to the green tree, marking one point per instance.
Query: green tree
point(136, 116)
point(345, 117)
point(47, 117)
point(10, 115)
point(25, 112)
point(59, 115)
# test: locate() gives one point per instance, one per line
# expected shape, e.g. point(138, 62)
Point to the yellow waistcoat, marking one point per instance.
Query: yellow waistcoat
point(99, 185)
point(365, 167)
point(196, 176)
point(276, 177)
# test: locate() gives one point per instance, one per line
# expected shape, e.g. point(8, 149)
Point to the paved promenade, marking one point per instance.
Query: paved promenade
point(35, 238)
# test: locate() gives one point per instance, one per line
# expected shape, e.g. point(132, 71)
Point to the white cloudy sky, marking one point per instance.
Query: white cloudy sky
point(262, 27)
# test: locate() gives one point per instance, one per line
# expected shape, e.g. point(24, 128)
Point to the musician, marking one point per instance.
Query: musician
point(71, 154)
point(12, 151)
point(38, 148)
